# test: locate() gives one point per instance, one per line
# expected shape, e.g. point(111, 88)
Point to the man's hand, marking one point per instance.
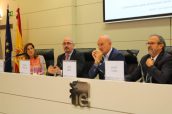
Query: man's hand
point(57, 70)
point(54, 70)
point(149, 62)
point(97, 55)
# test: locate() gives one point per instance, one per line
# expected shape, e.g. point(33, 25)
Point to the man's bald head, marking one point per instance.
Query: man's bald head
point(104, 43)
point(105, 38)
point(67, 39)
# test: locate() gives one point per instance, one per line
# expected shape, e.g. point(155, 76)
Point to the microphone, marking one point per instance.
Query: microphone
point(17, 55)
point(20, 54)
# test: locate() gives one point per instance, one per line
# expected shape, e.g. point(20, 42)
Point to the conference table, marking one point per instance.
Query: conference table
point(39, 94)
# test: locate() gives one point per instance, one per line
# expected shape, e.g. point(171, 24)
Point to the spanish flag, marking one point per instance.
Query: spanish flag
point(19, 41)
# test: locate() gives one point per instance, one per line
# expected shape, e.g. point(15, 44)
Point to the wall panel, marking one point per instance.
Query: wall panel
point(126, 35)
point(81, 19)
point(32, 6)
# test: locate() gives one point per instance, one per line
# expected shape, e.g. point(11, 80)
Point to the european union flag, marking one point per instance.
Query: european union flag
point(8, 46)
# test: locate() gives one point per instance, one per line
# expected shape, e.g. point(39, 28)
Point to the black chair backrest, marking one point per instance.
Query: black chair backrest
point(89, 60)
point(48, 55)
point(168, 49)
point(130, 59)
point(130, 56)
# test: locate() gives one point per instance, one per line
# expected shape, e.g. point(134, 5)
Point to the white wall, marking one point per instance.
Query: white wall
point(127, 35)
point(46, 22)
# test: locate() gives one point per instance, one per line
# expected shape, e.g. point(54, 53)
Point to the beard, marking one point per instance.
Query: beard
point(151, 51)
point(66, 49)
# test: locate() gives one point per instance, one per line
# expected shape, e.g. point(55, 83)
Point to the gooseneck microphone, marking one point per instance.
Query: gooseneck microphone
point(20, 54)
point(17, 55)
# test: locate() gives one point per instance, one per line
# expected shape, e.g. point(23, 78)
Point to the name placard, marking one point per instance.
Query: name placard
point(114, 70)
point(24, 66)
point(69, 68)
point(1, 65)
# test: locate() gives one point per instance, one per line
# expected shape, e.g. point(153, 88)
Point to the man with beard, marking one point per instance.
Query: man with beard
point(156, 66)
point(69, 54)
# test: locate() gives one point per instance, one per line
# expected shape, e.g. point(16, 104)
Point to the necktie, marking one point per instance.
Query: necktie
point(153, 59)
point(102, 60)
point(149, 77)
point(105, 58)
point(66, 56)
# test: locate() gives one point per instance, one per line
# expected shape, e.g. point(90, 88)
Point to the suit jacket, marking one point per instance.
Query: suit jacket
point(160, 72)
point(100, 69)
point(75, 56)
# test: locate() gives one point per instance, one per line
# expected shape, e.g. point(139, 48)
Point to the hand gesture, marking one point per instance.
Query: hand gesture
point(149, 62)
point(54, 70)
point(97, 55)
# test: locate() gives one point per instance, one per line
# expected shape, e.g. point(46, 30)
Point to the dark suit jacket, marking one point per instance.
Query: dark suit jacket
point(161, 72)
point(100, 69)
point(75, 56)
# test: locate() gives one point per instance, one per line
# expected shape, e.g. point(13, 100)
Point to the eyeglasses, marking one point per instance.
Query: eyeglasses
point(153, 43)
point(67, 43)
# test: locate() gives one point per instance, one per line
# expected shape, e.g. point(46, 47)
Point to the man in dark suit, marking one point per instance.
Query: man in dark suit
point(104, 53)
point(156, 66)
point(70, 54)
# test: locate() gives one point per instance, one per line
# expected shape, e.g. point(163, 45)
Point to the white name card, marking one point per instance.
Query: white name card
point(24, 66)
point(1, 65)
point(69, 68)
point(114, 70)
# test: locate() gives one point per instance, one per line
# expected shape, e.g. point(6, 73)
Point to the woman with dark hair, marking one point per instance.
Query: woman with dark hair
point(37, 62)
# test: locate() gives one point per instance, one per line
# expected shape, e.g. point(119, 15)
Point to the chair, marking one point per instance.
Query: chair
point(89, 60)
point(48, 55)
point(168, 49)
point(130, 59)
